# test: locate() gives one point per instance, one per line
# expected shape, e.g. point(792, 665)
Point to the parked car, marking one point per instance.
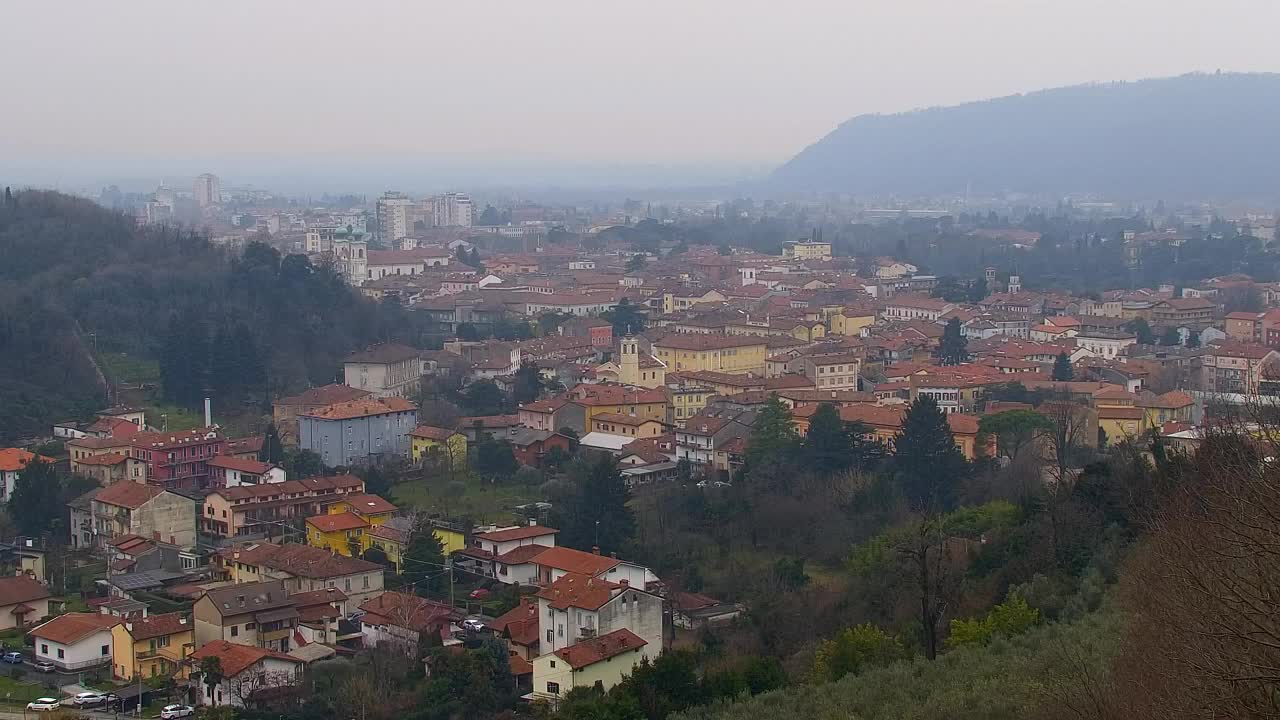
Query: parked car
point(45, 666)
point(13, 657)
point(473, 625)
point(480, 594)
point(44, 705)
point(176, 711)
point(88, 699)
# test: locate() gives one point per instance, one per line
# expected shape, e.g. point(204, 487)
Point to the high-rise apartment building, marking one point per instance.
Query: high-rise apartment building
point(207, 190)
point(393, 217)
point(453, 210)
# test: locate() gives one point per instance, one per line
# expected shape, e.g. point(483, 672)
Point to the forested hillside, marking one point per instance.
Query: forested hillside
point(78, 280)
point(1201, 135)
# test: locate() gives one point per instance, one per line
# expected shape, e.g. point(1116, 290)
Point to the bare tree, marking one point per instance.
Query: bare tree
point(259, 686)
point(1063, 446)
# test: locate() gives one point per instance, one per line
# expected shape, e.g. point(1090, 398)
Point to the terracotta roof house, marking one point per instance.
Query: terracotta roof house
point(285, 411)
point(12, 461)
point(22, 601)
point(603, 660)
point(75, 641)
point(247, 673)
point(302, 567)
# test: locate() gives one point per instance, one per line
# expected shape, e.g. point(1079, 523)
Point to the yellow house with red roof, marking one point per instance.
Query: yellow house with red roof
point(344, 529)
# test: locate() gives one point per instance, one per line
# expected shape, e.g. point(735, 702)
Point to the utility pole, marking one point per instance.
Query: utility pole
point(448, 564)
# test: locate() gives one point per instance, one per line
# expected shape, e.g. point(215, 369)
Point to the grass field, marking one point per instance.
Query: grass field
point(21, 692)
point(125, 369)
point(481, 501)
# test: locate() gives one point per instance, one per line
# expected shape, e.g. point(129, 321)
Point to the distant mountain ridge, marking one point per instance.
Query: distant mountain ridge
point(1197, 136)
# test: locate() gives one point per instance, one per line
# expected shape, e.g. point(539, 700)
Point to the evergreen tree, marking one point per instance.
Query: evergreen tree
point(250, 368)
point(953, 348)
point(1171, 337)
point(423, 566)
point(1062, 370)
point(495, 459)
point(1142, 329)
point(224, 368)
point(272, 449)
point(527, 386)
point(928, 465)
point(598, 514)
point(978, 290)
point(35, 504)
point(773, 435)
point(833, 445)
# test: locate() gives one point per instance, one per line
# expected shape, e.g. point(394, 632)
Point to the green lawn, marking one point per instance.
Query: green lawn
point(75, 603)
point(483, 502)
point(122, 368)
point(20, 692)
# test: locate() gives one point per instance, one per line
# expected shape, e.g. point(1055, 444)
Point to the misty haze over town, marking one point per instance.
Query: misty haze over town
point(684, 361)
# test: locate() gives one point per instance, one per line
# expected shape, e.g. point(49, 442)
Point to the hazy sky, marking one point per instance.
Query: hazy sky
point(721, 83)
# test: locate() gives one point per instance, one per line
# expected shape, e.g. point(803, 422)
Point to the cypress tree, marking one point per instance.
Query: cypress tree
point(1062, 370)
point(928, 465)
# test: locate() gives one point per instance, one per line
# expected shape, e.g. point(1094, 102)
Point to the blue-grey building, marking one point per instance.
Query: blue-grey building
point(358, 431)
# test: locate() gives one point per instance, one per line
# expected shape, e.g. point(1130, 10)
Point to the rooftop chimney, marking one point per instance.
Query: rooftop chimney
point(624, 582)
point(208, 412)
point(595, 549)
point(533, 522)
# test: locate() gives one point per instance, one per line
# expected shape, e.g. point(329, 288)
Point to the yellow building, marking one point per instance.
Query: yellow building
point(806, 250)
point(735, 354)
point(850, 321)
point(608, 398)
point(429, 442)
point(687, 401)
point(603, 660)
point(392, 538)
point(343, 530)
point(673, 301)
point(153, 646)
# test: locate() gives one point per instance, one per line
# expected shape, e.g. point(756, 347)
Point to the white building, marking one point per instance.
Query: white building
point(208, 190)
point(453, 210)
point(578, 607)
point(75, 641)
point(393, 217)
point(246, 672)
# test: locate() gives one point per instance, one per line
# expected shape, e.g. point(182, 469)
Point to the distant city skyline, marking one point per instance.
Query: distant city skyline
point(561, 91)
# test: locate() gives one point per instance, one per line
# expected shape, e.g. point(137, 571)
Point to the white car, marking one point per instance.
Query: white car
point(473, 625)
point(88, 699)
point(176, 711)
point(44, 705)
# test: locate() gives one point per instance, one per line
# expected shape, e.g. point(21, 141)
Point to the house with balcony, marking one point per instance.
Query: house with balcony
point(230, 471)
point(1235, 367)
point(178, 458)
point(249, 511)
point(578, 607)
point(704, 437)
point(301, 568)
point(358, 431)
point(152, 646)
point(285, 411)
point(246, 673)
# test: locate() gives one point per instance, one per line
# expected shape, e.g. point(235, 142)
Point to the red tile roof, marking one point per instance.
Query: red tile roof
point(579, 591)
point(432, 433)
point(234, 658)
point(589, 652)
point(364, 407)
point(158, 626)
point(301, 560)
point(337, 522)
point(517, 533)
point(72, 627)
point(130, 495)
point(383, 354)
point(244, 465)
point(103, 459)
point(575, 561)
point(20, 589)
point(14, 459)
point(407, 611)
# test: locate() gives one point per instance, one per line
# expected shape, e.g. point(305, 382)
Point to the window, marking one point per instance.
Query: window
point(61, 653)
point(366, 582)
point(559, 630)
point(550, 637)
point(247, 626)
point(235, 631)
point(553, 688)
point(106, 650)
point(347, 584)
point(553, 664)
point(44, 649)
